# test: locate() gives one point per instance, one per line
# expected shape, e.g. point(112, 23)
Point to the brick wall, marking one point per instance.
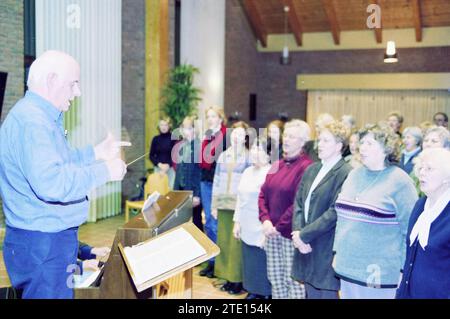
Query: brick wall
point(11, 57)
point(276, 84)
point(248, 71)
point(11, 51)
point(241, 60)
point(133, 89)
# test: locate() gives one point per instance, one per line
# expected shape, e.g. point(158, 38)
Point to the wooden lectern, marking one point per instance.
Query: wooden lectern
point(171, 211)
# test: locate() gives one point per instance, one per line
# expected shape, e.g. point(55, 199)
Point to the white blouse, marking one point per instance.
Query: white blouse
point(247, 212)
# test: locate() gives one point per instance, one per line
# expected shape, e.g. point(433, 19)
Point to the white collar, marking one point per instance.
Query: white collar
point(421, 229)
point(413, 152)
point(332, 162)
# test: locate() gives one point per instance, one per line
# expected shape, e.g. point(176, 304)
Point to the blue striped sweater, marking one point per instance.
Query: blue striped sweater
point(373, 211)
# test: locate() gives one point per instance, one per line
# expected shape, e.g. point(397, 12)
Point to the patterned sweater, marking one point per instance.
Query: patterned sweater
point(373, 211)
point(228, 173)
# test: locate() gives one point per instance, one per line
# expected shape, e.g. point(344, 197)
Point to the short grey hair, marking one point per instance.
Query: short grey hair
point(443, 134)
point(304, 129)
point(348, 118)
point(415, 132)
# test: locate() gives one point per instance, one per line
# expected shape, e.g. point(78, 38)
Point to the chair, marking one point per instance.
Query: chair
point(155, 182)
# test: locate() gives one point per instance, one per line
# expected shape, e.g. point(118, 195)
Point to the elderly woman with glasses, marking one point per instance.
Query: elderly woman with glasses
point(437, 136)
point(426, 269)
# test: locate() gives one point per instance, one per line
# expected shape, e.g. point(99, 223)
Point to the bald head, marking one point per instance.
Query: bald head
point(55, 76)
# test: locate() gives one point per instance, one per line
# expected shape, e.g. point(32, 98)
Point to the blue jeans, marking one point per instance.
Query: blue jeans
point(41, 264)
point(211, 222)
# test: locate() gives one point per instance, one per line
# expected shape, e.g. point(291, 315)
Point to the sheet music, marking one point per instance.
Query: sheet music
point(159, 256)
point(87, 279)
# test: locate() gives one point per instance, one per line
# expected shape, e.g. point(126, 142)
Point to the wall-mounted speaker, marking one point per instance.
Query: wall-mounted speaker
point(252, 107)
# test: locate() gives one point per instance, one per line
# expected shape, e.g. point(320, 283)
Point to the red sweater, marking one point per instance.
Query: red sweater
point(276, 199)
point(212, 147)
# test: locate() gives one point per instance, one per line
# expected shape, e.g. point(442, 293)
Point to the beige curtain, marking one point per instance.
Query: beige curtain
point(371, 106)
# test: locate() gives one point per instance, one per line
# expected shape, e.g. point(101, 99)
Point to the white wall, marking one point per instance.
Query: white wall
point(90, 31)
point(203, 45)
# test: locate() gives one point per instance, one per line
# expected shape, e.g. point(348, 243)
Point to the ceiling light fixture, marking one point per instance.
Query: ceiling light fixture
point(391, 54)
point(285, 58)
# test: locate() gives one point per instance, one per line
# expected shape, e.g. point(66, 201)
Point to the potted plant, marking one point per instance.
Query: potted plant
point(179, 97)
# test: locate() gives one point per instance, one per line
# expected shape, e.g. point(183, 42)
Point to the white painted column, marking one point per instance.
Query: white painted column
point(203, 45)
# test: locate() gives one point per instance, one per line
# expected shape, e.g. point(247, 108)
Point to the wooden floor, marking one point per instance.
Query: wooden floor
point(102, 234)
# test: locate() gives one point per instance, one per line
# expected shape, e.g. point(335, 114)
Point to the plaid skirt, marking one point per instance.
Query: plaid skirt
point(280, 256)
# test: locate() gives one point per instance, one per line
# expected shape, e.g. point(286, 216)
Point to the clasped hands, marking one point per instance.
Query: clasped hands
point(109, 151)
point(299, 244)
point(269, 230)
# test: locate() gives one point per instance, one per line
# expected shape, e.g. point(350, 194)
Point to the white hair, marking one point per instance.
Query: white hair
point(304, 129)
point(349, 119)
point(50, 62)
point(438, 156)
point(415, 132)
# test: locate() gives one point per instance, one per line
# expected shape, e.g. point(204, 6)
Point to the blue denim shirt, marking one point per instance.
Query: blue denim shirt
point(44, 182)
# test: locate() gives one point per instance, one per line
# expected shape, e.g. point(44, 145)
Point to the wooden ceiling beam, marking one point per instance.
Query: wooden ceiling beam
point(378, 31)
point(379, 35)
point(294, 21)
point(332, 19)
point(255, 21)
point(417, 19)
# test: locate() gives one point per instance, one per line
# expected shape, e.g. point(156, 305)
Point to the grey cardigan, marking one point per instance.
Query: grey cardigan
point(315, 268)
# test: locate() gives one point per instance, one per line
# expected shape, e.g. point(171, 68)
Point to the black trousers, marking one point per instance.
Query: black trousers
point(196, 213)
point(197, 216)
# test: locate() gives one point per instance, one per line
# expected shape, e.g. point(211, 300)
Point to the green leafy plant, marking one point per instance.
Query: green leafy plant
point(179, 97)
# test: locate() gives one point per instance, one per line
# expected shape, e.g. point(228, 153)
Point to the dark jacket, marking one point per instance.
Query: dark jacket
point(426, 272)
point(408, 166)
point(315, 268)
point(188, 175)
point(84, 251)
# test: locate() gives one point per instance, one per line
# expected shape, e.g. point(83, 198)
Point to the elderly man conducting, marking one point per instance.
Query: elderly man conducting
point(44, 182)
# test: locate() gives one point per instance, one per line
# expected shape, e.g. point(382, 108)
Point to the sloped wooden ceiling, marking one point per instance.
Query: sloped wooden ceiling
point(267, 16)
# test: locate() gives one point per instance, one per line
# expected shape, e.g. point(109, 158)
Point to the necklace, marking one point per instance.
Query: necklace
point(357, 195)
